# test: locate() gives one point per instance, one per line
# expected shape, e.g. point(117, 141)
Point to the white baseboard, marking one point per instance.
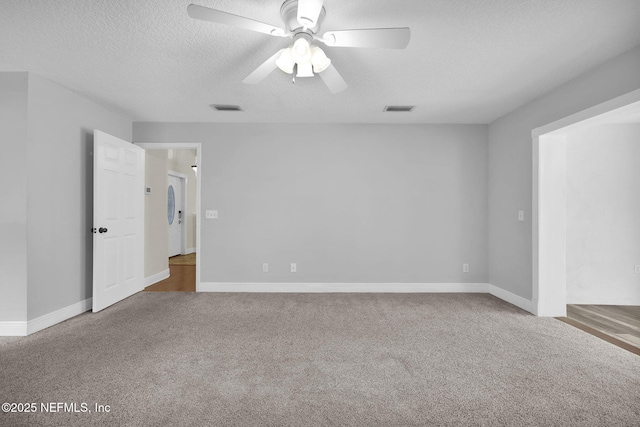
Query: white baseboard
point(554, 310)
point(534, 307)
point(343, 287)
point(189, 251)
point(18, 328)
point(511, 298)
point(155, 278)
point(11, 328)
point(507, 296)
point(58, 316)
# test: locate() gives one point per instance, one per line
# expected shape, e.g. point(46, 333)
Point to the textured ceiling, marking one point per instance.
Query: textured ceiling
point(468, 61)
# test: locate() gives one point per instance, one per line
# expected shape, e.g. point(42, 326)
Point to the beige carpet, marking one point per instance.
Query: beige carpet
point(320, 359)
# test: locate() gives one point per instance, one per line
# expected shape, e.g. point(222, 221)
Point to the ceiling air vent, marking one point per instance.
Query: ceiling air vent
point(225, 107)
point(399, 108)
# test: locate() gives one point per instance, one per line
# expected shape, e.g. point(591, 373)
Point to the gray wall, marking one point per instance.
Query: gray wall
point(13, 208)
point(60, 191)
point(347, 203)
point(510, 164)
point(603, 215)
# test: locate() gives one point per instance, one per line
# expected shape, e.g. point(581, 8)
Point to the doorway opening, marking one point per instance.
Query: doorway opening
point(178, 215)
point(550, 238)
point(172, 234)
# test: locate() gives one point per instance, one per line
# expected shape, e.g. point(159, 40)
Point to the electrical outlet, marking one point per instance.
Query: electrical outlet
point(465, 268)
point(294, 267)
point(265, 267)
point(637, 268)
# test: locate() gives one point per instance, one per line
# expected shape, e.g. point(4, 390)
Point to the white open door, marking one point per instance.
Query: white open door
point(118, 220)
point(176, 213)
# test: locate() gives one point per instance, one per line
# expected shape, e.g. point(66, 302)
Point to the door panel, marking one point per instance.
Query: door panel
point(175, 215)
point(118, 215)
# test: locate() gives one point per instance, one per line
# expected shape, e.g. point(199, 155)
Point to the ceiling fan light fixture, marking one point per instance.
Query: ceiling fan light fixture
point(285, 61)
point(302, 21)
point(306, 22)
point(301, 51)
point(319, 59)
point(304, 70)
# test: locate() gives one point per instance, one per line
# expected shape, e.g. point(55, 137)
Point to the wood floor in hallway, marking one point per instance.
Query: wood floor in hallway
point(182, 277)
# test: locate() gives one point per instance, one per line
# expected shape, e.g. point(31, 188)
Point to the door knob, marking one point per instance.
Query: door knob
point(102, 230)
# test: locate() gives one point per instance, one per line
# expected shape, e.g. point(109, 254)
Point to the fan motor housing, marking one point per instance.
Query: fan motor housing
point(289, 14)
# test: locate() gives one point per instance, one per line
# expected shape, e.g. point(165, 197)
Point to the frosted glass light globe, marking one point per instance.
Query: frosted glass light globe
point(319, 59)
point(301, 51)
point(285, 61)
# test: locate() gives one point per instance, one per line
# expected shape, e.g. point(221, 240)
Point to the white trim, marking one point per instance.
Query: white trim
point(551, 225)
point(548, 195)
point(11, 328)
point(606, 109)
point(506, 296)
point(345, 287)
point(534, 307)
point(511, 298)
point(186, 146)
point(535, 172)
point(183, 243)
point(58, 316)
point(189, 251)
point(155, 278)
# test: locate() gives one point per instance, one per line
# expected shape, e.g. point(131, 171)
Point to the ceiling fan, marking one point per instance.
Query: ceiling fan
point(302, 20)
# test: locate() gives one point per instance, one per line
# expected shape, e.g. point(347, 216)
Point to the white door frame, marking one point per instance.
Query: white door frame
point(549, 234)
point(186, 146)
point(183, 202)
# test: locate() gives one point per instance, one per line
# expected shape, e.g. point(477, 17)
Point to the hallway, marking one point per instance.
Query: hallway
point(182, 275)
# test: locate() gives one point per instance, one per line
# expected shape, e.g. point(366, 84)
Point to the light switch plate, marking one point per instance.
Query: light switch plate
point(211, 214)
point(520, 215)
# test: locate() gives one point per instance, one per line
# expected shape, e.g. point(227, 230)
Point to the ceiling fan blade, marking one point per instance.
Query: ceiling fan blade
point(212, 15)
point(391, 38)
point(263, 70)
point(333, 80)
point(308, 12)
